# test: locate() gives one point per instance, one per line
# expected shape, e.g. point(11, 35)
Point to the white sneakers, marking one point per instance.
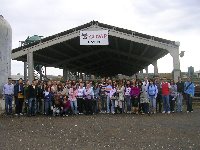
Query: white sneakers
point(166, 112)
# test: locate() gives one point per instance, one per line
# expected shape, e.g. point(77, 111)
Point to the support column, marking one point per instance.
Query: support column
point(40, 71)
point(85, 76)
point(81, 75)
point(30, 67)
point(147, 71)
point(176, 64)
point(142, 74)
point(25, 71)
point(65, 74)
point(155, 65)
point(45, 69)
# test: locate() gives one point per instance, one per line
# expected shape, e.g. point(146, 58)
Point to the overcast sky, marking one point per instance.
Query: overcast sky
point(176, 20)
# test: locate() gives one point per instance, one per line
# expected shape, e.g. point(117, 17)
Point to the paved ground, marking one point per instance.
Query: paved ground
point(160, 131)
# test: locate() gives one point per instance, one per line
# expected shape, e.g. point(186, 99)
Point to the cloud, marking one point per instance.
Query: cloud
point(170, 16)
point(177, 20)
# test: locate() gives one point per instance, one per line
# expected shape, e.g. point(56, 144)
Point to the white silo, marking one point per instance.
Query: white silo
point(5, 51)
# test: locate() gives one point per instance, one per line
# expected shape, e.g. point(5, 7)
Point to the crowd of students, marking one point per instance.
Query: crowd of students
point(147, 96)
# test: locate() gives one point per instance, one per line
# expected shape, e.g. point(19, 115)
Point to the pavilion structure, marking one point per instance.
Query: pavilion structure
point(128, 52)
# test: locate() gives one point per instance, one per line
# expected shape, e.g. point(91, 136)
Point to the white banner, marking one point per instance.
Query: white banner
point(94, 37)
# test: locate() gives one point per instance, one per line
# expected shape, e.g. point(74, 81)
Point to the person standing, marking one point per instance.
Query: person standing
point(48, 96)
point(26, 95)
point(127, 97)
point(113, 98)
point(165, 86)
point(189, 91)
point(103, 97)
point(152, 91)
point(8, 92)
point(120, 97)
point(144, 100)
point(108, 89)
point(172, 96)
point(19, 97)
point(96, 90)
point(32, 93)
point(80, 101)
point(135, 93)
point(180, 91)
point(89, 95)
point(40, 97)
point(159, 95)
point(72, 97)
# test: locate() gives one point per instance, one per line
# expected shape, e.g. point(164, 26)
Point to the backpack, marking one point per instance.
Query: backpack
point(154, 87)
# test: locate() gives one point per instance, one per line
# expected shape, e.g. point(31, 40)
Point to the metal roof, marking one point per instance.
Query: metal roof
point(127, 53)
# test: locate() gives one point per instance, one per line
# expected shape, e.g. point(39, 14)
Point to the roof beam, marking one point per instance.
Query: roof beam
point(45, 44)
point(130, 49)
point(142, 40)
point(58, 52)
point(71, 47)
point(85, 65)
point(145, 50)
point(46, 57)
point(79, 57)
point(133, 56)
point(116, 43)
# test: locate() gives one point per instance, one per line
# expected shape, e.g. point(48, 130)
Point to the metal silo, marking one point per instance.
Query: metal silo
point(5, 51)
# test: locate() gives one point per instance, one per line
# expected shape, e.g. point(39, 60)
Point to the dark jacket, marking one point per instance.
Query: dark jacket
point(180, 87)
point(32, 92)
point(18, 90)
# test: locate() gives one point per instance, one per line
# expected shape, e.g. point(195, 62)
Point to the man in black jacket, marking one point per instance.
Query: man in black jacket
point(32, 90)
point(19, 97)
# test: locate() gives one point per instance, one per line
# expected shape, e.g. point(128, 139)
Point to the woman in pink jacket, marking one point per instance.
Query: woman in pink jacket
point(135, 93)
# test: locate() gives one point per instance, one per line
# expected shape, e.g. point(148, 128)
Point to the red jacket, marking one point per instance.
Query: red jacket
point(165, 88)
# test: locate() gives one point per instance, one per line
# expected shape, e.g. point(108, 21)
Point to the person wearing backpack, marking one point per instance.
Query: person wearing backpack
point(152, 91)
point(189, 91)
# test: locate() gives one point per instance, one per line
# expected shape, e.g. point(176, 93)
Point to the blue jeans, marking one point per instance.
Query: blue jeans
point(103, 103)
point(112, 103)
point(95, 105)
point(128, 102)
point(74, 106)
point(145, 107)
point(113, 106)
point(166, 105)
point(32, 106)
point(152, 103)
point(8, 103)
point(179, 102)
point(108, 104)
point(189, 102)
point(48, 104)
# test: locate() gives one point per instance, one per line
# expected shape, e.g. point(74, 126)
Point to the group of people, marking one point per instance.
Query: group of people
point(147, 96)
